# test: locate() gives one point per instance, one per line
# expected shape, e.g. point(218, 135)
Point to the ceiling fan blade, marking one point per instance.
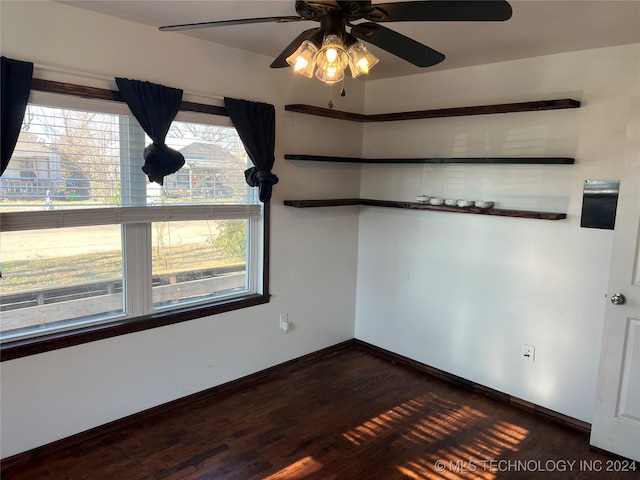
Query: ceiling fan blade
point(281, 60)
point(442, 11)
point(397, 44)
point(226, 23)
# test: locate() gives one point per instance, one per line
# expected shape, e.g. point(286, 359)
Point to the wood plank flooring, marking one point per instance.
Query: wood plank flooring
point(347, 415)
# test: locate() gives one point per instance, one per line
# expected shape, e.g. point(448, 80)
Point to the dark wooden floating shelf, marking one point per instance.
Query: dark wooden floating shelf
point(465, 160)
point(438, 113)
point(420, 206)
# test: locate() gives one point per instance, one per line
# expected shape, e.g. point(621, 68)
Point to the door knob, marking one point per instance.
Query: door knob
point(618, 299)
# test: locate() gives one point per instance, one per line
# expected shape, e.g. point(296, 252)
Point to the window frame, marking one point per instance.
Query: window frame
point(23, 347)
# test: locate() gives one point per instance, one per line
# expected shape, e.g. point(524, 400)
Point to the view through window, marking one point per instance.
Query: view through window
point(86, 238)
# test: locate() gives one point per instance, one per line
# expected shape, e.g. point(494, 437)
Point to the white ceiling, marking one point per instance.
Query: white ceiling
point(537, 27)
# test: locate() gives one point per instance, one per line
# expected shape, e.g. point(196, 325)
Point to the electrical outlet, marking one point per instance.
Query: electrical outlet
point(284, 322)
point(528, 353)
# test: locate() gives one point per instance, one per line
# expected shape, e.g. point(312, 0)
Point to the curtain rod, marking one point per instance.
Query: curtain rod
point(52, 86)
point(48, 69)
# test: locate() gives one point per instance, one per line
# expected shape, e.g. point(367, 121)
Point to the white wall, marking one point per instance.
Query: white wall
point(463, 293)
point(313, 258)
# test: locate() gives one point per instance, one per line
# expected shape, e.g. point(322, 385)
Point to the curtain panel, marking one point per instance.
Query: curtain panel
point(256, 126)
point(15, 87)
point(155, 107)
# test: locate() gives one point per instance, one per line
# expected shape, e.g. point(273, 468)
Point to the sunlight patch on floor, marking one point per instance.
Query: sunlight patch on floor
point(386, 420)
point(444, 428)
point(506, 435)
point(428, 426)
point(438, 426)
point(298, 470)
point(473, 458)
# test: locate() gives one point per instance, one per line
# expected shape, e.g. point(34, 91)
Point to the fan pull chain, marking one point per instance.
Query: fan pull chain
point(343, 93)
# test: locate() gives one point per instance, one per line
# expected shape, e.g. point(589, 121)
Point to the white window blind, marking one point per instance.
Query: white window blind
point(69, 159)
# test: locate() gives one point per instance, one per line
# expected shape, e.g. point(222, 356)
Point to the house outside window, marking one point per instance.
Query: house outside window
point(86, 240)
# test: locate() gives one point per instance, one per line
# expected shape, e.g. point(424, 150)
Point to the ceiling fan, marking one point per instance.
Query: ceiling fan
point(329, 48)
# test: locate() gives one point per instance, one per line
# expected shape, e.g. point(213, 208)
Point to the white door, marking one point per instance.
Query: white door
point(616, 422)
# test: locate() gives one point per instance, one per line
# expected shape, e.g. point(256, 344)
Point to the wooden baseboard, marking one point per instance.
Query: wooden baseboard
point(14, 461)
point(109, 428)
point(516, 402)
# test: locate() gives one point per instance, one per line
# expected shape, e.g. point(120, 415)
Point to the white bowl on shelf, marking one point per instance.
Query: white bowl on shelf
point(465, 203)
point(451, 202)
point(436, 201)
point(483, 204)
point(422, 198)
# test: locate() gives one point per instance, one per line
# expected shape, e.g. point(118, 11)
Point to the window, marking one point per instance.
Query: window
point(86, 241)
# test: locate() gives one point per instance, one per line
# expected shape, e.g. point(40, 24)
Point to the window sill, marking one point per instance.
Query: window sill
point(45, 343)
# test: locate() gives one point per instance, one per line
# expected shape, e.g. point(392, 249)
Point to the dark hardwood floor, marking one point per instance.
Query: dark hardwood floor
point(347, 415)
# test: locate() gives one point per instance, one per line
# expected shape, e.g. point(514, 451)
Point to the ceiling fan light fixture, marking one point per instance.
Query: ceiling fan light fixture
point(303, 60)
point(313, 55)
point(361, 60)
point(331, 60)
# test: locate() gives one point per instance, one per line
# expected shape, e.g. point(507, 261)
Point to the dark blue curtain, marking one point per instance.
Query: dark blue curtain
point(15, 86)
point(256, 126)
point(155, 107)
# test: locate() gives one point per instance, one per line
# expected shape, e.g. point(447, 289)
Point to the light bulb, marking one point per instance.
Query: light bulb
point(360, 59)
point(331, 60)
point(303, 59)
point(300, 64)
point(363, 65)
